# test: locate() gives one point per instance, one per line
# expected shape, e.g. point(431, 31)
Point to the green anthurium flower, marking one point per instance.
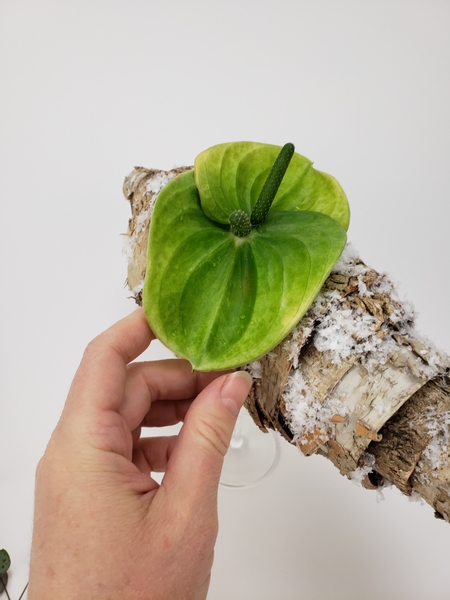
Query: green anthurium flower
point(238, 249)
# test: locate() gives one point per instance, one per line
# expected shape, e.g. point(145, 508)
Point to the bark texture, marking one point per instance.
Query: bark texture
point(354, 381)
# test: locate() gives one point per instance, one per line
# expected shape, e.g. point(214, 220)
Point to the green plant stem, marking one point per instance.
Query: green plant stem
point(271, 185)
point(24, 590)
point(5, 588)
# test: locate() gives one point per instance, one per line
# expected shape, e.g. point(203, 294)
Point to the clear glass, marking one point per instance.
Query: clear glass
point(252, 454)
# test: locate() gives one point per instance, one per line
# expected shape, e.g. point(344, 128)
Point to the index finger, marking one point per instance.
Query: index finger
point(100, 379)
point(158, 393)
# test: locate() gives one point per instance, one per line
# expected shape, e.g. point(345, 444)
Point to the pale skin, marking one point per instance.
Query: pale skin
point(103, 528)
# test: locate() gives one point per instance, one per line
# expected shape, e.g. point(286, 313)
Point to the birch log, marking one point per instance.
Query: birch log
point(353, 381)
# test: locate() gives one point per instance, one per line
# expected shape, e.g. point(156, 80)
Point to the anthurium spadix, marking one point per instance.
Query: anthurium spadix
point(239, 247)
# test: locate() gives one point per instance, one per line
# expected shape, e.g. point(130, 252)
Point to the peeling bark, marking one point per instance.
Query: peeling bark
point(353, 381)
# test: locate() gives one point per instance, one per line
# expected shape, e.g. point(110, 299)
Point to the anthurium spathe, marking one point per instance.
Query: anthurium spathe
point(238, 250)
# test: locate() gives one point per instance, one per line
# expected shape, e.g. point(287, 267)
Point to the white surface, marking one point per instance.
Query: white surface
point(90, 88)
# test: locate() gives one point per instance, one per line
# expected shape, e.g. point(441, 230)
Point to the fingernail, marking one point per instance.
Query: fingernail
point(235, 390)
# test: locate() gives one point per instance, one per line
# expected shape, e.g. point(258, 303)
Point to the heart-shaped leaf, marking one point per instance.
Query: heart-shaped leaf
point(5, 561)
point(219, 299)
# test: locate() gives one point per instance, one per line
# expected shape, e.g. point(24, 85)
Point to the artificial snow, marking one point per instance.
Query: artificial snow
point(339, 331)
point(255, 369)
point(305, 413)
point(345, 332)
point(436, 451)
point(367, 466)
point(137, 289)
point(128, 248)
point(342, 328)
point(348, 264)
point(158, 181)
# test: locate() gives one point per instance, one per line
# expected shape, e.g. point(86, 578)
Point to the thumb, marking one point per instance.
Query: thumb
point(196, 462)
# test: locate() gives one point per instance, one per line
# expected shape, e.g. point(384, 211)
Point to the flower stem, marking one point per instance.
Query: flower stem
point(271, 185)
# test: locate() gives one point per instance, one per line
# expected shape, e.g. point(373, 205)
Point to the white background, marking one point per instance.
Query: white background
point(91, 88)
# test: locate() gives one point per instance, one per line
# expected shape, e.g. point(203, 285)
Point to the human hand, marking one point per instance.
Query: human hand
point(103, 527)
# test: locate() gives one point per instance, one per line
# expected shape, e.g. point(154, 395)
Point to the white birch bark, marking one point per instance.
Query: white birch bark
point(354, 381)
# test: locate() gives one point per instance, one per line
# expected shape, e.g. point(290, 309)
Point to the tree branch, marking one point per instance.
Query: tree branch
point(354, 381)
